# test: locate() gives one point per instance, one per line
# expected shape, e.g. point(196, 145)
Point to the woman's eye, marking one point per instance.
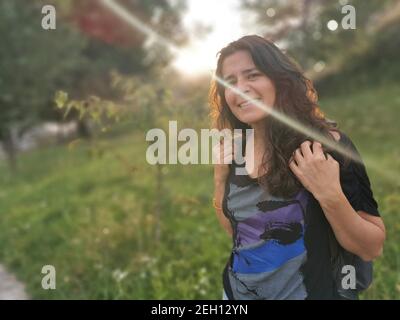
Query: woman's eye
point(253, 75)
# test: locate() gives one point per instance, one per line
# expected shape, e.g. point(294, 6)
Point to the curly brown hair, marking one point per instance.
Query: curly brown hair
point(296, 98)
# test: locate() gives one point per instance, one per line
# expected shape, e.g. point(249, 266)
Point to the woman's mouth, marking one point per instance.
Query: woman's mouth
point(247, 103)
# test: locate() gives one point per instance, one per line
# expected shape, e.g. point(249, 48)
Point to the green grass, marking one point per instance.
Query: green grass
point(92, 217)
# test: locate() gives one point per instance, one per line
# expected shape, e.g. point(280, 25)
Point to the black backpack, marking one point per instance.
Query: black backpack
point(341, 257)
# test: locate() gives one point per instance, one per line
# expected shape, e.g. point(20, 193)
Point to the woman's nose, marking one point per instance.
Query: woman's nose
point(243, 86)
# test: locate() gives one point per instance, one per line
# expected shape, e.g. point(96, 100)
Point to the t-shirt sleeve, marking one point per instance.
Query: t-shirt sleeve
point(355, 182)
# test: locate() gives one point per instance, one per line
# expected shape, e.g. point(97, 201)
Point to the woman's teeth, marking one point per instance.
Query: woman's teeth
point(247, 103)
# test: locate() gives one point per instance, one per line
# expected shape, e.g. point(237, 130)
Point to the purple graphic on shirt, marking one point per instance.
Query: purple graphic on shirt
point(283, 224)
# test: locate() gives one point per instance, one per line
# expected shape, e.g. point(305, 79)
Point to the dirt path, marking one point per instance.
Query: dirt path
point(10, 287)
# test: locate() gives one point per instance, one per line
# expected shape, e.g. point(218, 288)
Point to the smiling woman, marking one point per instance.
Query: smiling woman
point(304, 206)
point(240, 71)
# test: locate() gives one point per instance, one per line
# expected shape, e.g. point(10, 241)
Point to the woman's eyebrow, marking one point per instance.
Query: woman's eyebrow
point(248, 70)
point(243, 72)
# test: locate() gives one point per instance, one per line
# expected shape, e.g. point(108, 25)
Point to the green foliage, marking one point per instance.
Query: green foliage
point(30, 68)
point(35, 63)
point(377, 66)
point(310, 41)
point(93, 108)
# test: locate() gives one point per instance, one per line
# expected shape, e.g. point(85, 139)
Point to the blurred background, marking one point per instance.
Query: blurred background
point(77, 101)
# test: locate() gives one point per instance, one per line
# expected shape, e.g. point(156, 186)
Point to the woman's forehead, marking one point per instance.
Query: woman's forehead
point(236, 63)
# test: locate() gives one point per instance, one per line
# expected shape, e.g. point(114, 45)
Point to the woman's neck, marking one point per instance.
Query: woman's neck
point(259, 135)
point(255, 151)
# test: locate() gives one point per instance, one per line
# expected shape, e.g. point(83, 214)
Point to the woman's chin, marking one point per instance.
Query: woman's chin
point(250, 118)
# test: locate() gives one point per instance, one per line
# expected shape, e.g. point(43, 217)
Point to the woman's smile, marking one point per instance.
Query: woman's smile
point(247, 103)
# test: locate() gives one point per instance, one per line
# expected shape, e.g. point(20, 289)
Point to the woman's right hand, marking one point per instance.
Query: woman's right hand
point(224, 155)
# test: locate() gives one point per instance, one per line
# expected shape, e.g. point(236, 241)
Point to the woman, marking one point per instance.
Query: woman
point(281, 213)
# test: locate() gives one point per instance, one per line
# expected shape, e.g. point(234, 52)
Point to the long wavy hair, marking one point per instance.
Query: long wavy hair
point(295, 97)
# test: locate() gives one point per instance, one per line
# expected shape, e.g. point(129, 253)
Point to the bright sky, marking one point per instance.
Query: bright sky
point(224, 17)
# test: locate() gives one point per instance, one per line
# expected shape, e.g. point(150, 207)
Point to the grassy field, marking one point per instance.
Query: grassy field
point(92, 215)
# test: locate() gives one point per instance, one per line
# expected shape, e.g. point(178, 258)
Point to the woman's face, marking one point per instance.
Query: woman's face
point(239, 71)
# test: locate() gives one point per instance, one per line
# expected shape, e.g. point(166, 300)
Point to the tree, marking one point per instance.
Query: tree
point(301, 27)
point(149, 101)
point(30, 68)
point(113, 44)
point(76, 57)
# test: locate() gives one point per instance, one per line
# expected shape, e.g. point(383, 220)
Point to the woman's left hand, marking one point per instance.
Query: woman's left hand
point(318, 174)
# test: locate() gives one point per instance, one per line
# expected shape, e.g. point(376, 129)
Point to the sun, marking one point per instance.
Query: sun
point(199, 56)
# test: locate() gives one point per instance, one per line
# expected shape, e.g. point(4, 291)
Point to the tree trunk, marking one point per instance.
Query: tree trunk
point(159, 199)
point(10, 149)
point(84, 129)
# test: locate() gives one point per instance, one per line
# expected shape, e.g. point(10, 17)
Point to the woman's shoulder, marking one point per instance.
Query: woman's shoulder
point(354, 178)
point(347, 154)
point(343, 139)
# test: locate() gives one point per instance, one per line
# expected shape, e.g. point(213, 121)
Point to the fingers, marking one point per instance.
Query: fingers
point(223, 152)
point(297, 156)
point(305, 148)
point(308, 151)
point(317, 150)
point(331, 159)
point(293, 166)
